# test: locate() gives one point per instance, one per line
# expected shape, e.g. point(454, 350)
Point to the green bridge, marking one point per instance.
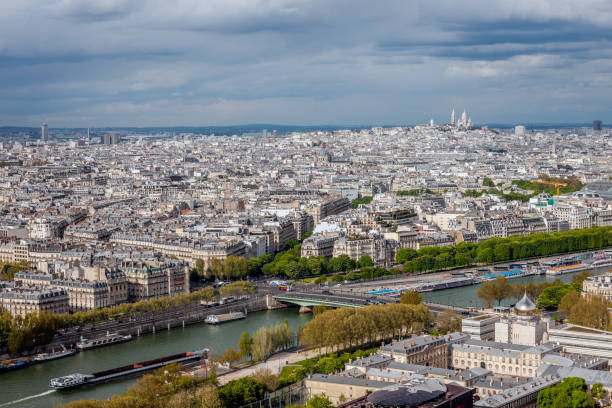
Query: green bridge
point(310, 300)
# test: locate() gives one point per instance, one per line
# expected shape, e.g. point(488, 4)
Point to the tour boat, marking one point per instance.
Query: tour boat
point(224, 318)
point(560, 270)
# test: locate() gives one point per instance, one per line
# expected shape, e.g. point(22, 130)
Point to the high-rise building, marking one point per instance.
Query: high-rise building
point(453, 117)
point(88, 136)
point(464, 117)
point(519, 130)
point(44, 132)
point(597, 125)
point(111, 138)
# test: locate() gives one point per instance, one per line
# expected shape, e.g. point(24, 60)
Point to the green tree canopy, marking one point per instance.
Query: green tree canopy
point(411, 297)
point(237, 393)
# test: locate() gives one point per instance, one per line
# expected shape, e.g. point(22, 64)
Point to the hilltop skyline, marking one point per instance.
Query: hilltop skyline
point(125, 63)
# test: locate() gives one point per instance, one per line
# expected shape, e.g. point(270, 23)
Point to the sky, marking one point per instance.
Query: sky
point(80, 63)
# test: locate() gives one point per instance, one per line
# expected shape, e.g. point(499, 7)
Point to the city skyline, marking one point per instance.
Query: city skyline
point(124, 63)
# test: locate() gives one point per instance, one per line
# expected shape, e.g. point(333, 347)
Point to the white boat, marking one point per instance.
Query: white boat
point(560, 270)
point(68, 381)
point(54, 355)
point(224, 318)
point(114, 338)
point(600, 263)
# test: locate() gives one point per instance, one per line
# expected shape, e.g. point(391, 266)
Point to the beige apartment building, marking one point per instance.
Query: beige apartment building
point(356, 248)
point(149, 280)
point(598, 285)
point(24, 300)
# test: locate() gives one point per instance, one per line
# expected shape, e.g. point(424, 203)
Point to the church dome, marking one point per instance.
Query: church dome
point(525, 305)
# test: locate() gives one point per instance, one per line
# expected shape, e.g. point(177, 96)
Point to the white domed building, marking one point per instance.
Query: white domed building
point(523, 326)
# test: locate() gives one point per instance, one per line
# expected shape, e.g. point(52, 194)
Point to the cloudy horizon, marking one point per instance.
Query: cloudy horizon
point(101, 63)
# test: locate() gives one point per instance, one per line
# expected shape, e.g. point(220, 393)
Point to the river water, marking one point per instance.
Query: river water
point(467, 296)
point(29, 387)
point(18, 386)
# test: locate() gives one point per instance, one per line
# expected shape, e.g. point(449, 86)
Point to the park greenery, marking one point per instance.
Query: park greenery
point(487, 182)
point(573, 184)
point(168, 387)
point(9, 269)
point(362, 200)
point(572, 392)
point(327, 364)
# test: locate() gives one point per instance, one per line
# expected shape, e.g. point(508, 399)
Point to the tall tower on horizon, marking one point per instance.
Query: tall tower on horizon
point(44, 132)
point(453, 117)
point(88, 137)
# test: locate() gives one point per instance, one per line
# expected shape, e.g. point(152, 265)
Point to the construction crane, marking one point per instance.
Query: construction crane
point(552, 183)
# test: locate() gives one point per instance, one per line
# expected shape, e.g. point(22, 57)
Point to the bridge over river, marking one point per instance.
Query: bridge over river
point(311, 299)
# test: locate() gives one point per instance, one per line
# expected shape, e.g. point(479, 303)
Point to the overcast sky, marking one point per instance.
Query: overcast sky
point(223, 62)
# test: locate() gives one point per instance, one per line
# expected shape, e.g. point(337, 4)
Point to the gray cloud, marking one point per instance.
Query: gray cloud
point(192, 62)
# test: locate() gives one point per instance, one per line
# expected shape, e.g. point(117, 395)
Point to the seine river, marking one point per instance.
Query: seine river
point(18, 385)
point(467, 296)
point(29, 387)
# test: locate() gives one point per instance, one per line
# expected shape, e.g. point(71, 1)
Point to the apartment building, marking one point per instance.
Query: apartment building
point(149, 280)
point(20, 301)
point(374, 247)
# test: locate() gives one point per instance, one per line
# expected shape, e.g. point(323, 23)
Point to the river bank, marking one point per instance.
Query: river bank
point(151, 322)
point(34, 380)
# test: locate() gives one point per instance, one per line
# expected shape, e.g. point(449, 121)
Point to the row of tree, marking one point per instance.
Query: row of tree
point(290, 264)
point(547, 293)
point(503, 249)
point(25, 333)
point(364, 325)
point(264, 342)
point(500, 289)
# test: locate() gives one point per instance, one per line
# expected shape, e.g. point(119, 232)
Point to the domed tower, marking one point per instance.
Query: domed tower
point(525, 307)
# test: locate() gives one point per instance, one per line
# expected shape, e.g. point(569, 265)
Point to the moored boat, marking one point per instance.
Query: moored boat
point(110, 338)
point(560, 270)
point(54, 355)
point(224, 318)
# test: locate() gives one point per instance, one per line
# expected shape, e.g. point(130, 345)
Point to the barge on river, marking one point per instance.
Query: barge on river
point(78, 380)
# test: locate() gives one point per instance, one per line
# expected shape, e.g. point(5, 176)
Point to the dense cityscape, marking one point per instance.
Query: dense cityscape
point(305, 204)
point(103, 225)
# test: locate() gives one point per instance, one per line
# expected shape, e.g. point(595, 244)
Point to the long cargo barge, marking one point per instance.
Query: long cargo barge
point(78, 380)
